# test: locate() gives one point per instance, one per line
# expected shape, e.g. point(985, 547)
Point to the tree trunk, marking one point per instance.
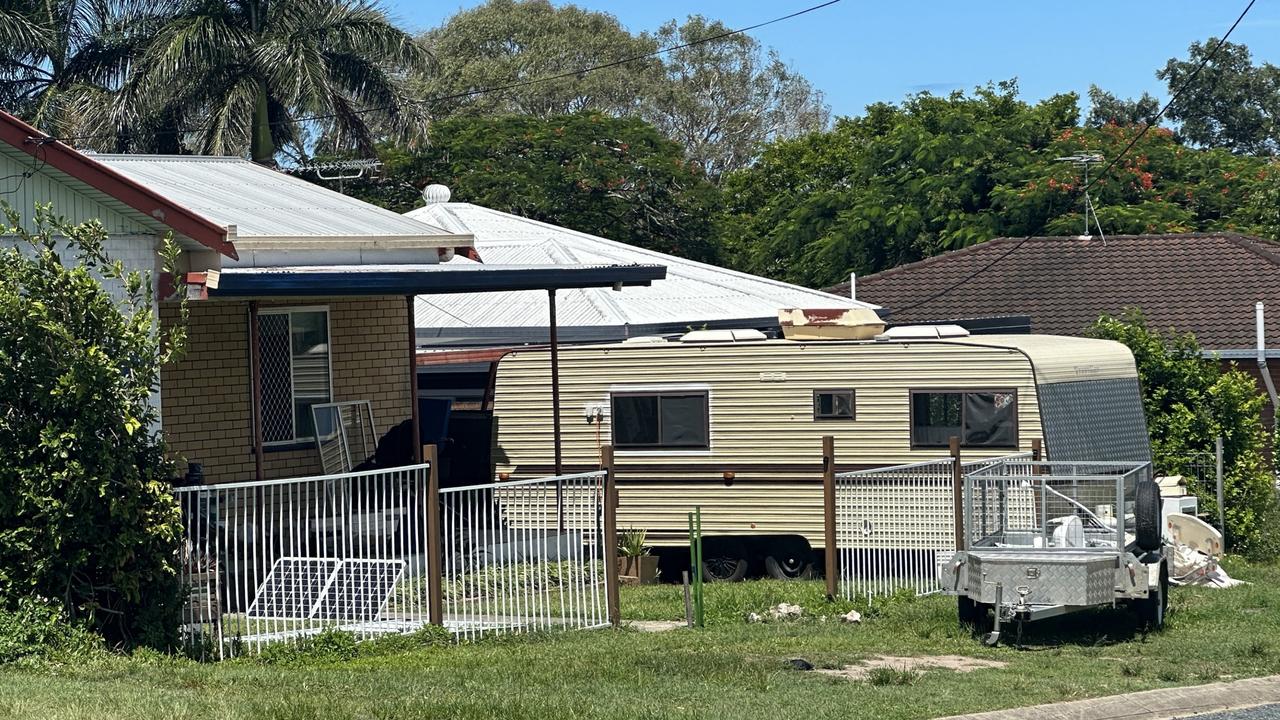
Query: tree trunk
point(261, 148)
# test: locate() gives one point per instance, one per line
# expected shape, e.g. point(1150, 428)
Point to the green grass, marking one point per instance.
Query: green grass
point(731, 670)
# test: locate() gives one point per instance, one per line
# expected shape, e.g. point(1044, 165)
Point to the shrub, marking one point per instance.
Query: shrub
point(87, 517)
point(38, 628)
point(1189, 400)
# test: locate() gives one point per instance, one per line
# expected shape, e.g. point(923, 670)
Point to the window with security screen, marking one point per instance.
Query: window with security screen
point(675, 420)
point(980, 418)
point(293, 345)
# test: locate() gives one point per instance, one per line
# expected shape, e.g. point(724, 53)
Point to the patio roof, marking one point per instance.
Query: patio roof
point(425, 279)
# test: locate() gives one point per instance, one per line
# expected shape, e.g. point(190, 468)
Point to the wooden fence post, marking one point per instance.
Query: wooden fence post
point(829, 513)
point(435, 555)
point(957, 491)
point(1037, 449)
point(610, 539)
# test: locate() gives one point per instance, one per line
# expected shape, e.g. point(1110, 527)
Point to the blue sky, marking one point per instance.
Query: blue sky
point(860, 52)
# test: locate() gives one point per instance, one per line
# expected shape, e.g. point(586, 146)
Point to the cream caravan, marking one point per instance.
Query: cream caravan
point(734, 426)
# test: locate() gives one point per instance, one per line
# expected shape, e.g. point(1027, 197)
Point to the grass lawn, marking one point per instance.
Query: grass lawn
point(730, 670)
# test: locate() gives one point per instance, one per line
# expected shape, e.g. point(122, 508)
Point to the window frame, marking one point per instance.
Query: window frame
point(911, 415)
point(853, 403)
point(296, 442)
point(701, 390)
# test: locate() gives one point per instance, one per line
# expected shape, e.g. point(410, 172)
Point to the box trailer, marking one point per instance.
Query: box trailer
point(732, 422)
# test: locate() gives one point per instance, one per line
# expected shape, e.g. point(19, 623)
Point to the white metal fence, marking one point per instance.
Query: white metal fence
point(526, 555)
point(895, 524)
point(283, 559)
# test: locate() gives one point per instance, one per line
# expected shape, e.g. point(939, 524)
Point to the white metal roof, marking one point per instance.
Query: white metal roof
point(265, 204)
point(693, 294)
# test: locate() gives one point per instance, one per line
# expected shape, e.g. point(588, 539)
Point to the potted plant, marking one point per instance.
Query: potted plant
point(635, 564)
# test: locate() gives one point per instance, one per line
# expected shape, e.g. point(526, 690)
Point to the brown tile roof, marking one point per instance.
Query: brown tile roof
point(1205, 283)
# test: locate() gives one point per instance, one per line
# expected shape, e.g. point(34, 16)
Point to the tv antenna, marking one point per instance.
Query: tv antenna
point(1083, 161)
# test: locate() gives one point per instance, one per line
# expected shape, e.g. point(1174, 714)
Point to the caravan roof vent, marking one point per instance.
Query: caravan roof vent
point(645, 340)
point(722, 336)
point(923, 332)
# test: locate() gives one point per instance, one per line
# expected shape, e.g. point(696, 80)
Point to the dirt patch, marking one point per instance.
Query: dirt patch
point(953, 663)
point(655, 625)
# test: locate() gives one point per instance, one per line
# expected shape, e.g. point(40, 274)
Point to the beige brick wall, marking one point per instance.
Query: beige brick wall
point(205, 405)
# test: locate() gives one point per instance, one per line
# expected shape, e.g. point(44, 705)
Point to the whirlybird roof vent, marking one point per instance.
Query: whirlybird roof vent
point(723, 336)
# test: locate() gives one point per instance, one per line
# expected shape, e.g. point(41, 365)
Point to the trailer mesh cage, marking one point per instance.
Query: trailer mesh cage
point(1051, 505)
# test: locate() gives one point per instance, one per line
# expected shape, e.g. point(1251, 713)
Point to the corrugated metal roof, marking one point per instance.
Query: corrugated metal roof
point(265, 203)
point(693, 294)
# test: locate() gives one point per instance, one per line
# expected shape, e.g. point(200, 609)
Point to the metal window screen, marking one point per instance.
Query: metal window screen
point(277, 378)
point(345, 435)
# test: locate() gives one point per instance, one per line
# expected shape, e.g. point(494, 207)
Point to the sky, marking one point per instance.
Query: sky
point(859, 52)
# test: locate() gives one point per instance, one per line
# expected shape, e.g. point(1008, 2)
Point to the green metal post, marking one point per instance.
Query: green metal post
point(699, 608)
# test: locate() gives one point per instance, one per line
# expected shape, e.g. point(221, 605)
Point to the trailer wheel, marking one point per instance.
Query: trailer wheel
point(724, 559)
point(1152, 611)
point(1146, 515)
point(789, 561)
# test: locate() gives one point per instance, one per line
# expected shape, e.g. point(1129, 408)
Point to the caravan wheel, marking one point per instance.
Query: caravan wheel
point(788, 559)
point(724, 559)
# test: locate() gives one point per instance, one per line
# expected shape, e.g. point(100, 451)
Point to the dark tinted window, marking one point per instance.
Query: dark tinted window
point(675, 420)
point(985, 418)
point(833, 405)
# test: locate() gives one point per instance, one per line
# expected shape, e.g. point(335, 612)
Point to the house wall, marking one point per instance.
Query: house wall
point(1251, 367)
point(206, 395)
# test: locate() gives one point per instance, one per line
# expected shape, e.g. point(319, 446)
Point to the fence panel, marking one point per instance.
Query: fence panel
point(894, 525)
point(283, 559)
point(526, 555)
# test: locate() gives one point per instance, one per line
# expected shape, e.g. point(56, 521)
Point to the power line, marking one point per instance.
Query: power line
point(1186, 84)
point(578, 73)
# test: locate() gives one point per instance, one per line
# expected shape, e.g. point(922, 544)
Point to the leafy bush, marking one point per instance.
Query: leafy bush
point(1189, 400)
point(86, 517)
point(39, 628)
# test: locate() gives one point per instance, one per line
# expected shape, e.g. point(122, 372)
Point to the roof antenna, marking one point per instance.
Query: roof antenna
point(1084, 160)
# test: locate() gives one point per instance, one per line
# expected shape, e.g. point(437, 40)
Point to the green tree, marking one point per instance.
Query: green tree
point(721, 98)
point(1105, 108)
point(897, 184)
point(87, 517)
point(508, 42)
point(724, 96)
point(1232, 103)
point(64, 62)
point(1190, 400)
point(614, 177)
point(904, 182)
point(251, 69)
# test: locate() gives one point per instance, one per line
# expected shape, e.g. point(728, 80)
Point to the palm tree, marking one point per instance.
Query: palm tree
point(63, 61)
point(259, 72)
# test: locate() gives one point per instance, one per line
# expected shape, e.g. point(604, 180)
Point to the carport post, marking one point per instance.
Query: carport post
point(555, 408)
point(957, 491)
point(610, 540)
point(435, 557)
point(415, 420)
point(829, 513)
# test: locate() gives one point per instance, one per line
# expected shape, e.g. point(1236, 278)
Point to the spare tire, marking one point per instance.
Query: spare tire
point(1146, 515)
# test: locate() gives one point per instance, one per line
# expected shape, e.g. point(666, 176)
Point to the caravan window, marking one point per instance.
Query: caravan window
point(833, 405)
point(980, 418)
point(656, 421)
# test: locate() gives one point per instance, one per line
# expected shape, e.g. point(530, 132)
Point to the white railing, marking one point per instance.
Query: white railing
point(895, 524)
point(525, 555)
point(283, 559)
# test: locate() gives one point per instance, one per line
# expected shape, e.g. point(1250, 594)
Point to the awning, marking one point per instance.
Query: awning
point(425, 279)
